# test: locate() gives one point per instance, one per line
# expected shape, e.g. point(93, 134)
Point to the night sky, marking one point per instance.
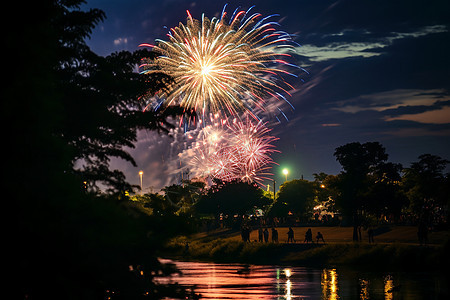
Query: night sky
point(378, 71)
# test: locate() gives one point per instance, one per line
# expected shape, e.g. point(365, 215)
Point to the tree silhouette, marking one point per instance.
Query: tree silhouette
point(384, 195)
point(357, 161)
point(63, 104)
point(426, 186)
point(103, 109)
point(295, 196)
point(234, 197)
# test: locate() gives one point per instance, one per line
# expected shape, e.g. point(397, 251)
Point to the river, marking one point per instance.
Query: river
point(238, 281)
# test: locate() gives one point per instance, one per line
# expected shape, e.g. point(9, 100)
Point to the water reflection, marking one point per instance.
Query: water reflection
point(364, 289)
point(388, 287)
point(288, 295)
point(237, 281)
point(329, 284)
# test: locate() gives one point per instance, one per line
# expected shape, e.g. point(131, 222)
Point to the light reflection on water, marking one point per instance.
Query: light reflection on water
point(388, 287)
point(238, 281)
point(329, 282)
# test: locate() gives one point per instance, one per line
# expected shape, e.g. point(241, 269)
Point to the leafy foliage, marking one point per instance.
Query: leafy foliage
point(358, 161)
point(185, 195)
point(295, 196)
point(103, 110)
point(65, 105)
point(426, 186)
point(234, 197)
point(71, 98)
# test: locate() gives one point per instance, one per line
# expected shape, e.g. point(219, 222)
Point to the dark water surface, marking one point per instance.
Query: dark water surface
point(238, 281)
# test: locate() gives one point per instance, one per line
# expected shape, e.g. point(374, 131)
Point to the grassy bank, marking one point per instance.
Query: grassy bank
point(227, 247)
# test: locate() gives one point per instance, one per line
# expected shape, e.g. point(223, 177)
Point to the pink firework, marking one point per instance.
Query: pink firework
point(240, 150)
point(252, 146)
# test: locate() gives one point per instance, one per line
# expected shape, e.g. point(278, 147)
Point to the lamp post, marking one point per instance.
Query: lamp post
point(285, 172)
point(141, 173)
point(274, 190)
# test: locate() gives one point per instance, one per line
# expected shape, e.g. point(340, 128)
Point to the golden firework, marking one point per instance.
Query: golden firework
point(223, 67)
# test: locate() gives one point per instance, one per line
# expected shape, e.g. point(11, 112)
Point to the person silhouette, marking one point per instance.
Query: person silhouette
point(308, 236)
point(186, 249)
point(319, 236)
point(370, 234)
point(266, 235)
point(260, 234)
point(274, 235)
point(290, 235)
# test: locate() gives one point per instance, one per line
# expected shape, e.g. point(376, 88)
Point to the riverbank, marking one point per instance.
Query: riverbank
point(226, 246)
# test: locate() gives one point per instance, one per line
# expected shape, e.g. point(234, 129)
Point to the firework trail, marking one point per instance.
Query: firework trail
point(224, 66)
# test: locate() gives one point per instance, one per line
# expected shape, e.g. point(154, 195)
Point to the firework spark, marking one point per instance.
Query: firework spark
point(224, 66)
point(240, 150)
point(252, 147)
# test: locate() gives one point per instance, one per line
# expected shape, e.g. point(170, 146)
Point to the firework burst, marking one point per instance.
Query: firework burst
point(252, 146)
point(240, 150)
point(227, 71)
point(224, 65)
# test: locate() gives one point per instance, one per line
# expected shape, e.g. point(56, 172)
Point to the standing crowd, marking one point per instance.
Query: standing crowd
point(263, 235)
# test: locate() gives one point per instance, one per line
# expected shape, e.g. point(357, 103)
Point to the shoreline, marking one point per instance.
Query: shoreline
point(227, 248)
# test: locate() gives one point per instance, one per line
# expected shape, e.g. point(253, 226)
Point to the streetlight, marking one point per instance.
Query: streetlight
point(274, 190)
point(140, 176)
point(285, 172)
